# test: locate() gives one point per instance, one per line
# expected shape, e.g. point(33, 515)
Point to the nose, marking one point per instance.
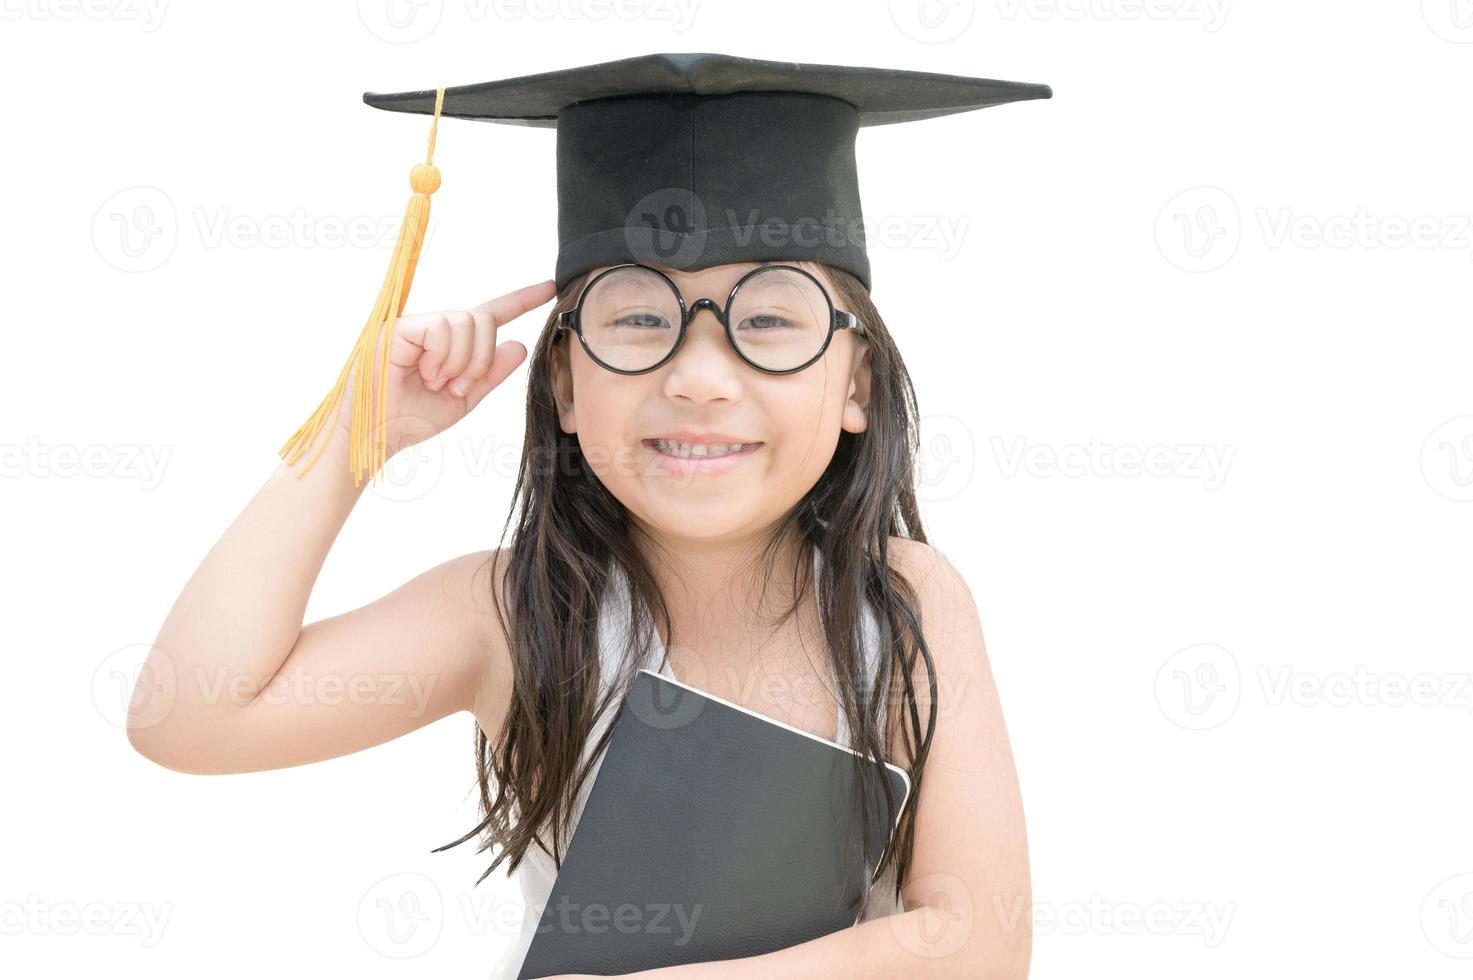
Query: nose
point(705, 367)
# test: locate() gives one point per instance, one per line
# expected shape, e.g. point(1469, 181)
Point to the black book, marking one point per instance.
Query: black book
point(710, 832)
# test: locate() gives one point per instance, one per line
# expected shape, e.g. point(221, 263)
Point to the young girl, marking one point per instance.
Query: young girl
point(725, 498)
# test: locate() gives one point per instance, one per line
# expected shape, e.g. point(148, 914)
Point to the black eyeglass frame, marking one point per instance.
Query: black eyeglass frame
point(571, 320)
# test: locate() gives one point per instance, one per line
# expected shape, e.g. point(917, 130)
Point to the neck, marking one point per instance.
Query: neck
point(722, 580)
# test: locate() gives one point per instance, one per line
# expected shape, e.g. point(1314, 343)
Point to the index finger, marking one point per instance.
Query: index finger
point(504, 309)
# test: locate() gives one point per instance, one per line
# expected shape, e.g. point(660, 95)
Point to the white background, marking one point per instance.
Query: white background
point(1191, 340)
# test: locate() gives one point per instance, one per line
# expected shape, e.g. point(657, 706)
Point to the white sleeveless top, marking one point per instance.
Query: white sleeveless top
point(536, 874)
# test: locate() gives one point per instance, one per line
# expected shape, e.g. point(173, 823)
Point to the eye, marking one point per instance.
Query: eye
point(766, 321)
point(642, 321)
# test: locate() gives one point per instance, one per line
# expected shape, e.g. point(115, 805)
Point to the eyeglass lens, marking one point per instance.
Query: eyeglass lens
point(631, 319)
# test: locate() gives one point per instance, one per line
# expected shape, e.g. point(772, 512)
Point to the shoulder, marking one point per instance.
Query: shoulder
point(940, 588)
point(949, 622)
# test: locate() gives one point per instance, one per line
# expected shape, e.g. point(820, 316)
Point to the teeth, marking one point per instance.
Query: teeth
point(699, 450)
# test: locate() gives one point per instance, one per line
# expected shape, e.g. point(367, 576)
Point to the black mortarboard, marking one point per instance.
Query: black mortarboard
point(679, 160)
point(692, 160)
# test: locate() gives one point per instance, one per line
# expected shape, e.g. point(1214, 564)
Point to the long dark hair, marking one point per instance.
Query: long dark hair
point(569, 531)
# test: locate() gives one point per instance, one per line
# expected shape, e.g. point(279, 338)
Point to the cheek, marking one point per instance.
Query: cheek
point(603, 406)
point(805, 415)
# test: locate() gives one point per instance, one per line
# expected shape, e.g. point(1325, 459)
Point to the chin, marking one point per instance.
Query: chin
point(702, 519)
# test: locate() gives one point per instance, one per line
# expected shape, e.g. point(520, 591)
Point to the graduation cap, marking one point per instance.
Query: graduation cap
point(678, 160)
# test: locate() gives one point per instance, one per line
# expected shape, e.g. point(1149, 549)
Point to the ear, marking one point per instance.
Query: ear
point(856, 406)
point(562, 383)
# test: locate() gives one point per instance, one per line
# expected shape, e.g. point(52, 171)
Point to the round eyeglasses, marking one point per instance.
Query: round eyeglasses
point(631, 318)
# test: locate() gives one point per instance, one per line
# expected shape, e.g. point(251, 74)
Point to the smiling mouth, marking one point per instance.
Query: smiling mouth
point(698, 455)
point(698, 451)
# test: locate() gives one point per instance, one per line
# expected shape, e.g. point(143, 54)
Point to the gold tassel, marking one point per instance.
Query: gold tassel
point(366, 440)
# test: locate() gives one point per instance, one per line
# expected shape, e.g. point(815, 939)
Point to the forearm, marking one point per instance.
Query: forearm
point(241, 611)
point(925, 942)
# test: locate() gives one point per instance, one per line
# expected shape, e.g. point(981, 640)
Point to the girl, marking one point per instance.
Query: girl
point(727, 498)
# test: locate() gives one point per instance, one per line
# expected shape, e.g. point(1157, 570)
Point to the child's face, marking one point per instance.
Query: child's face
point(707, 389)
